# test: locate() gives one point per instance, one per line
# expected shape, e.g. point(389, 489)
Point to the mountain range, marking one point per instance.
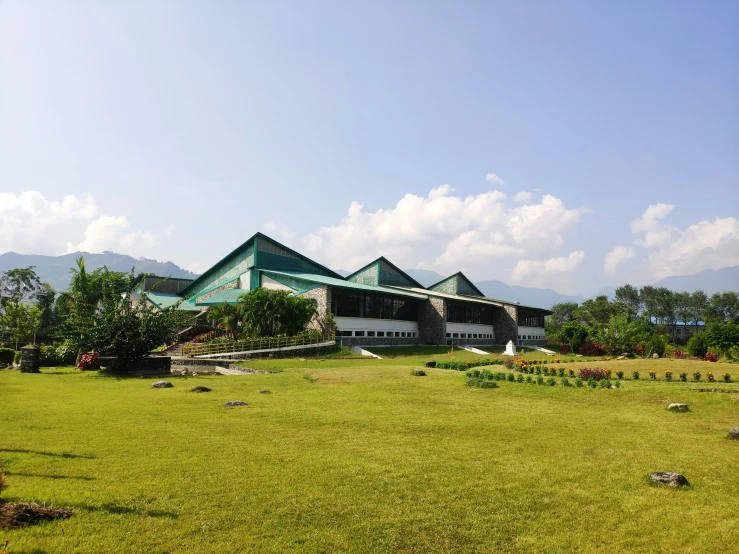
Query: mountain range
point(55, 270)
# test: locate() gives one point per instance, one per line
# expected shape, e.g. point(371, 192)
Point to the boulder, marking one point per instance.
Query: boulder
point(668, 478)
point(162, 385)
point(655, 356)
point(734, 434)
point(432, 363)
point(233, 403)
point(677, 407)
point(200, 388)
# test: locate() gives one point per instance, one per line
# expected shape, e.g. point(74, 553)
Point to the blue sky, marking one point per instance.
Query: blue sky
point(571, 145)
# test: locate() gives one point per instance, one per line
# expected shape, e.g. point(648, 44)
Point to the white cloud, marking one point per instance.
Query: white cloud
point(656, 232)
point(523, 196)
point(705, 245)
point(32, 224)
point(616, 257)
point(494, 179)
point(483, 233)
point(29, 223)
point(528, 269)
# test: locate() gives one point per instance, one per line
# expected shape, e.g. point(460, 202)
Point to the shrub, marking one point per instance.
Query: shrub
point(618, 384)
point(565, 382)
point(620, 374)
point(418, 373)
point(571, 372)
point(683, 376)
point(565, 349)
point(669, 351)
point(635, 375)
point(6, 356)
point(538, 371)
point(473, 382)
point(605, 384)
point(668, 375)
point(488, 385)
point(539, 380)
point(657, 345)
point(473, 374)
point(727, 378)
point(596, 374)
point(529, 379)
point(710, 377)
point(607, 372)
point(510, 377)
point(679, 354)
point(641, 348)
point(17, 358)
point(519, 378)
point(711, 357)
point(653, 375)
point(89, 361)
point(557, 361)
point(697, 376)
point(551, 381)
point(592, 383)
point(561, 372)
point(486, 374)
point(591, 348)
point(545, 371)
point(48, 357)
point(698, 345)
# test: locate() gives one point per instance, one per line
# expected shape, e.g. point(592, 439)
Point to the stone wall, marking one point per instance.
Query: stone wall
point(505, 324)
point(232, 285)
point(432, 321)
point(322, 296)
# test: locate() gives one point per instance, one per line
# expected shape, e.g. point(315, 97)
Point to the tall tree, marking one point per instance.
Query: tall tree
point(227, 316)
point(698, 305)
point(17, 285)
point(629, 297)
point(724, 306)
point(597, 311)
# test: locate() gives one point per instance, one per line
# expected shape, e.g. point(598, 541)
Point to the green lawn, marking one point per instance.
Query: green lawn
point(358, 456)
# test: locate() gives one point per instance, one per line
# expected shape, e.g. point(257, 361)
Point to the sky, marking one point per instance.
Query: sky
point(568, 145)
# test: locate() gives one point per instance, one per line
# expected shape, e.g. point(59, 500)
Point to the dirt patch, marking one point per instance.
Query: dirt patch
point(15, 516)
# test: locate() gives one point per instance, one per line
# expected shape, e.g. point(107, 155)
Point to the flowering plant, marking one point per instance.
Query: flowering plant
point(653, 375)
point(89, 361)
point(727, 378)
point(591, 349)
point(620, 374)
point(668, 375)
point(679, 353)
point(697, 376)
point(711, 357)
point(635, 375)
point(683, 376)
point(710, 377)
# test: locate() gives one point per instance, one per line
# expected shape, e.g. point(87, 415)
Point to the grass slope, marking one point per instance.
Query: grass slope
point(359, 456)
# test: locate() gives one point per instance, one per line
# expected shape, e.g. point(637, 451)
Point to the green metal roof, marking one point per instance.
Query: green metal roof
point(377, 266)
point(229, 296)
point(163, 300)
point(443, 285)
point(341, 283)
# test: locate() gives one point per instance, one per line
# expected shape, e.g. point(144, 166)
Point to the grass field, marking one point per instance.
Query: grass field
point(359, 456)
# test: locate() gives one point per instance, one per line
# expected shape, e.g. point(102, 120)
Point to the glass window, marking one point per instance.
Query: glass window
point(370, 333)
point(448, 335)
point(455, 335)
point(378, 306)
point(345, 333)
point(380, 333)
point(358, 333)
point(397, 334)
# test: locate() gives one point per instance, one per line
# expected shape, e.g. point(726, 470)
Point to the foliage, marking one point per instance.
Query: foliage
point(698, 345)
point(578, 382)
point(679, 354)
point(89, 362)
point(574, 333)
point(628, 296)
point(668, 375)
point(722, 337)
point(696, 376)
point(711, 357)
point(657, 344)
point(565, 349)
point(269, 313)
point(7, 355)
point(21, 321)
point(683, 376)
point(623, 334)
point(597, 312)
point(418, 372)
point(587, 373)
point(635, 375)
point(227, 316)
point(53, 356)
point(591, 348)
point(18, 285)
point(724, 307)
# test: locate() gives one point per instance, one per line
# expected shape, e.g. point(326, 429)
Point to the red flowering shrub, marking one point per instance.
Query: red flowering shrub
point(565, 349)
point(679, 353)
point(711, 357)
point(641, 348)
point(587, 373)
point(591, 349)
point(89, 361)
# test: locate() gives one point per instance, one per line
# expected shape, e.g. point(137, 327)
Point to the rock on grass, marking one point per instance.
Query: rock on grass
point(676, 407)
point(734, 434)
point(162, 385)
point(669, 478)
point(234, 403)
point(200, 388)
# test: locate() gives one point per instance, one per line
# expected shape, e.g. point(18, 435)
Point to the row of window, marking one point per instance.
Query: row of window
point(528, 317)
point(376, 306)
point(469, 336)
point(531, 337)
point(377, 334)
point(462, 312)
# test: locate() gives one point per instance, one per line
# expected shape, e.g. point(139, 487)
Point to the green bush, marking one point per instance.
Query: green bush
point(592, 383)
point(473, 382)
point(539, 380)
point(698, 345)
point(635, 375)
point(418, 373)
point(657, 344)
point(529, 379)
point(519, 378)
point(488, 385)
point(17, 358)
point(6, 356)
point(510, 377)
point(605, 384)
point(48, 357)
point(578, 382)
point(565, 382)
point(551, 381)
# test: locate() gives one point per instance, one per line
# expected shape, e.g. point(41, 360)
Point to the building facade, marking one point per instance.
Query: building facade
point(378, 304)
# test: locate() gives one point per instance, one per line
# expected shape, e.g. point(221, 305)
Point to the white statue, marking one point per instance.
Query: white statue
point(510, 349)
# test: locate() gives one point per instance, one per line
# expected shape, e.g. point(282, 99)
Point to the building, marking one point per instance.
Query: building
point(378, 304)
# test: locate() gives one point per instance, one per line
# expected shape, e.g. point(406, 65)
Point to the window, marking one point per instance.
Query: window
point(358, 333)
point(344, 333)
point(370, 333)
point(463, 336)
point(530, 317)
point(380, 333)
point(468, 312)
point(455, 335)
point(350, 304)
point(448, 335)
point(402, 334)
point(397, 334)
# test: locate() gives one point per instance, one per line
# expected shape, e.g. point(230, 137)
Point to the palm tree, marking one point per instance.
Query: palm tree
point(227, 317)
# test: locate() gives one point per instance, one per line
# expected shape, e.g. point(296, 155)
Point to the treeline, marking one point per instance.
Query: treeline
point(637, 318)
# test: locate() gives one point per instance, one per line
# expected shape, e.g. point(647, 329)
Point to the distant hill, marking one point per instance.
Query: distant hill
point(55, 269)
point(709, 281)
point(529, 296)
